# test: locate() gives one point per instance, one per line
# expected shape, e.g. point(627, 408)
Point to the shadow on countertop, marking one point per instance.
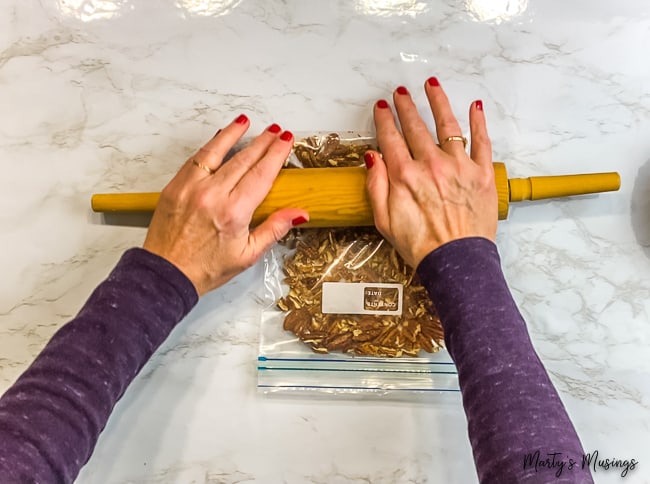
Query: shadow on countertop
point(124, 219)
point(640, 207)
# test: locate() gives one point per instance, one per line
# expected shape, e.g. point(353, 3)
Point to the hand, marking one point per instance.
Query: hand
point(424, 195)
point(201, 223)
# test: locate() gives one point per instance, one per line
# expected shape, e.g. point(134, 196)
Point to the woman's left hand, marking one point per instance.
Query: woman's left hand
point(201, 223)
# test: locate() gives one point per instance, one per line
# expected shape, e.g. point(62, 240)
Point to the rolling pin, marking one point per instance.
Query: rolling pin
point(337, 197)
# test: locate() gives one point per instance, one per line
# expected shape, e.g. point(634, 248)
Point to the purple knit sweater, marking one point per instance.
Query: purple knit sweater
point(51, 417)
point(512, 408)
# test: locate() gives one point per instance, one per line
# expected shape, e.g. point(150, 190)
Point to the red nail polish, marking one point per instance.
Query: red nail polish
point(369, 159)
point(241, 119)
point(275, 128)
point(382, 104)
point(402, 90)
point(286, 136)
point(298, 221)
point(479, 105)
point(433, 81)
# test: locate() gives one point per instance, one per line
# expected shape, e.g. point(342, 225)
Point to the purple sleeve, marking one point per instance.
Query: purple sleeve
point(515, 417)
point(51, 417)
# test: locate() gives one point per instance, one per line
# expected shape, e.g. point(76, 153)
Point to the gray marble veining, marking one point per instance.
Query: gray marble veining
point(112, 95)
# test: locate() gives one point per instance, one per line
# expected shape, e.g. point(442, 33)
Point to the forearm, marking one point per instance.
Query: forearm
point(51, 417)
point(512, 407)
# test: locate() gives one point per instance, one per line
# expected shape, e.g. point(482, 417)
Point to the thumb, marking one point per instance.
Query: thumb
point(276, 226)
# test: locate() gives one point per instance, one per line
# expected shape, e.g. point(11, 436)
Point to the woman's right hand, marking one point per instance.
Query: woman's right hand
point(425, 194)
point(202, 221)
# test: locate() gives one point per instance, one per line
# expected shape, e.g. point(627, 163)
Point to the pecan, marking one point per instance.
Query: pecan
point(368, 335)
point(338, 342)
point(295, 320)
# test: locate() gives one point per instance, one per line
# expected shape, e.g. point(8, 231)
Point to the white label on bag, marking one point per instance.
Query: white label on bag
point(361, 298)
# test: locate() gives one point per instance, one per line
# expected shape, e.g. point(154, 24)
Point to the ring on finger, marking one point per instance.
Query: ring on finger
point(203, 167)
point(454, 138)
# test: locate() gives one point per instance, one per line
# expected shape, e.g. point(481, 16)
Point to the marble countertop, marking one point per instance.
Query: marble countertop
point(112, 95)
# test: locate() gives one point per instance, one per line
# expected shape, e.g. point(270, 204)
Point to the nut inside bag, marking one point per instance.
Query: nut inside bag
point(346, 290)
point(349, 291)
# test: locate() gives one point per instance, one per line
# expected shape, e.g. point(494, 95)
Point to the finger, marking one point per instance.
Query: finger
point(188, 169)
point(378, 188)
point(276, 226)
point(481, 147)
point(239, 164)
point(414, 129)
point(212, 154)
point(255, 184)
point(391, 142)
point(446, 123)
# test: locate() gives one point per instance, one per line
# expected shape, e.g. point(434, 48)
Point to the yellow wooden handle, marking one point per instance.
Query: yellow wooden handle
point(540, 187)
point(337, 197)
point(124, 202)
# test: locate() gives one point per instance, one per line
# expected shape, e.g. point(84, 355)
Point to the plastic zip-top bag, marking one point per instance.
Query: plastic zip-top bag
point(343, 311)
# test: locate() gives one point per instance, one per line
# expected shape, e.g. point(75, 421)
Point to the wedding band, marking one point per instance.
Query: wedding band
point(203, 167)
point(454, 138)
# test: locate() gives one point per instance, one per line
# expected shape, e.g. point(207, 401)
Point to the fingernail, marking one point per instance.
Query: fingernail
point(298, 221)
point(274, 128)
point(433, 81)
point(369, 159)
point(479, 105)
point(286, 136)
point(402, 90)
point(241, 119)
point(382, 104)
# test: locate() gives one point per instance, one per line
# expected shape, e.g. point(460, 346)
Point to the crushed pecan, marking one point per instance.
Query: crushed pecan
point(329, 151)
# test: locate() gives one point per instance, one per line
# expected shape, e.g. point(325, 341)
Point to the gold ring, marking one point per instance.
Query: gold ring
point(203, 167)
point(454, 138)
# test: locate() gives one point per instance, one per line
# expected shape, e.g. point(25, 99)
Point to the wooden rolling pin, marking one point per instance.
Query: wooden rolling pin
point(337, 197)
